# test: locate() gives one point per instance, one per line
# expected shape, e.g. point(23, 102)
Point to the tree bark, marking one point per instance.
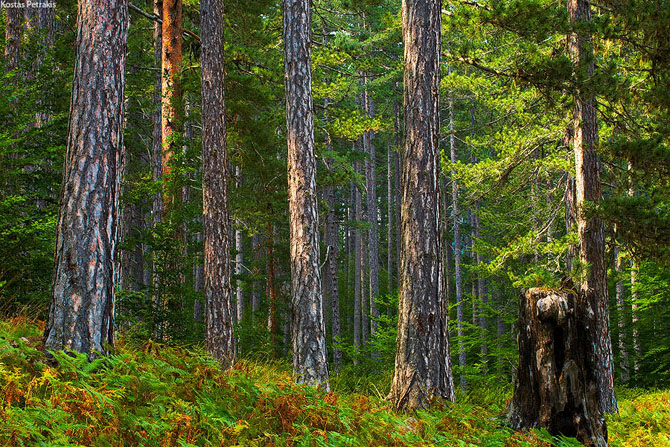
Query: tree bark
point(397, 132)
point(310, 364)
point(171, 87)
point(422, 364)
point(458, 274)
point(588, 191)
point(219, 312)
point(81, 314)
point(637, 346)
point(556, 387)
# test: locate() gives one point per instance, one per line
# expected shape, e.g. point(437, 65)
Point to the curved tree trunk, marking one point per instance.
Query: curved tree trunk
point(422, 363)
point(556, 387)
point(219, 312)
point(310, 364)
point(81, 315)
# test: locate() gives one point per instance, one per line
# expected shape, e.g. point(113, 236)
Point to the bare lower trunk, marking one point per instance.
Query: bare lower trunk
point(357, 268)
point(81, 314)
point(637, 347)
point(422, 362)
point(219, 312)
point(310, 364)
point(389, 218)
point(239, 258)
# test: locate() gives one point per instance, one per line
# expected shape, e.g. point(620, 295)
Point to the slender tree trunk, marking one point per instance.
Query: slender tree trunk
point(156, 147)
point(397, 133)
point(358, 268)
point(81, 314)
point(623, 350)
point(588, 190)
point(13, 29)
point(637, 347)
point(273, 304)
point(171, 89)
point(389, 218)
point(255, 296)
point(460, 317)
point(422, 364)
point(372, 215)
point(365, 322)
point(500, 323)
point(219, 312)
point(239, 256)
point(310, 364)
point(570, 200)
point(331, 275)
point(40, 21)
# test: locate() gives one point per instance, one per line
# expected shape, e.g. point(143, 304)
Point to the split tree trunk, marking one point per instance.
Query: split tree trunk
point(588, 191)
point(81, 314)
point(556, 387)
point(219, 312)
point(310, 361)
point(422, 363)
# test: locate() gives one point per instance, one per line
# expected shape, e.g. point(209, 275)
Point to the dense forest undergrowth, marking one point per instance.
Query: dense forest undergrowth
point(154, 395)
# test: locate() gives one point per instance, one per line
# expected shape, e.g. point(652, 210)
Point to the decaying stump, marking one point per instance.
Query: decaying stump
point(555, 387)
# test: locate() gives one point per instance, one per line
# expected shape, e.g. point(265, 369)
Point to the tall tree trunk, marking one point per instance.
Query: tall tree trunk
point(310, 364)
point(219, 312)
point(623, 350)
point(331, 275)
point(458, 274)
point(588, 190)
point(13, 29)
point(422, 364)
point(637, 347)
point(365, 322)
point(372, 214)
point(171, 89)
point(273, 302)
point(156, 146)
point(81, 314)
point(41, 21)
point(239, 256)
point(358, 268)
point(389, 218)
point(397, 136)
point(570, 201)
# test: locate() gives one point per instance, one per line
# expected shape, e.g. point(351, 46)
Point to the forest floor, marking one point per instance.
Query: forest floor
point(153, 395)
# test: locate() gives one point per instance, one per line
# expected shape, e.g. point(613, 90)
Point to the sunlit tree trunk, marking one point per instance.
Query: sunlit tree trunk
point(422, 363)
point(219, 312)
point(588, 191)
point(81, 314)
point(171, 86)
point(310, 363)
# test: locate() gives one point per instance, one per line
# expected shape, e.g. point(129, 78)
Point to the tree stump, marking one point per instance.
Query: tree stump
point(555, 387)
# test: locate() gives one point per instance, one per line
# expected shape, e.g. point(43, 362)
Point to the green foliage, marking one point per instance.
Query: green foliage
point(152, 394)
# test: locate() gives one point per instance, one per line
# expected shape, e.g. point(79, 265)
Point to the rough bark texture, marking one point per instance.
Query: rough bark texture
point(310, 363)
point(458, 273)
point(13, 37)
point(422, 363)
point(171, 88)
point(389, 218)
point(588, 191)
point(556, 387)
point(81, 314)
point(637, 347)
point(331, 275)
point(219, 312)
